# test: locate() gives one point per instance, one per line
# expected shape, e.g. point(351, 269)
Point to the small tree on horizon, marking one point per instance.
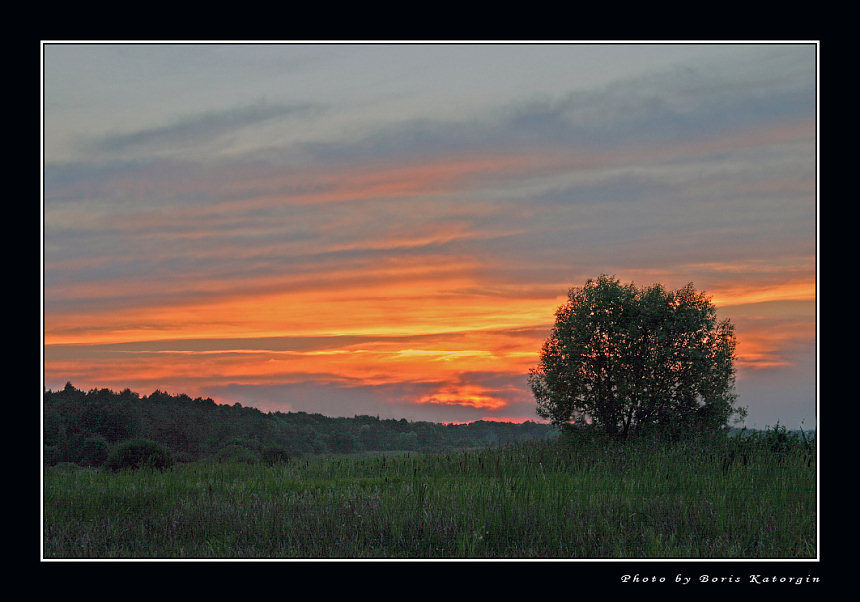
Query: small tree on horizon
point(631, 360)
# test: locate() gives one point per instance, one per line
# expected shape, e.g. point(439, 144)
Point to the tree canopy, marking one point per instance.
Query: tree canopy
point(87, 427)
point(632, 359)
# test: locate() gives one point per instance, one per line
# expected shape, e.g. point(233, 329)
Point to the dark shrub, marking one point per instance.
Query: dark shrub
point(67, 466)
point(182, 457)
point(93, 451)
point(139, 453)
point(236, 453)
point(53, 454)
point(778, 439)
point(251, 444)
point(275, 454)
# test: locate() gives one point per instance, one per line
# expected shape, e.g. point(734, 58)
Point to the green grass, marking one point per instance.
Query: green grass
point(589, 498)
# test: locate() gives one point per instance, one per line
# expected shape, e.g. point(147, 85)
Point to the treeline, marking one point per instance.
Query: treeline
point(84, 427)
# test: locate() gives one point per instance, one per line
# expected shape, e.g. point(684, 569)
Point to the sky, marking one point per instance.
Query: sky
point(387, 229)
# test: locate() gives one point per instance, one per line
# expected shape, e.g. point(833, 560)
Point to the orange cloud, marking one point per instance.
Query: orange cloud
point(763, 345)
point(465, 395)
point(801, 290)
point(439, 359)
point(405, 299)
point(460, 305)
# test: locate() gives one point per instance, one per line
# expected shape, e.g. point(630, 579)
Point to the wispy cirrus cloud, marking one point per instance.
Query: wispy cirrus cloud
point(198, 128)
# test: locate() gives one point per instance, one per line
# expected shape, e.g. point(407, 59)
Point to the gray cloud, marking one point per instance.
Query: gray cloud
point(198, 128)
point(683, 103)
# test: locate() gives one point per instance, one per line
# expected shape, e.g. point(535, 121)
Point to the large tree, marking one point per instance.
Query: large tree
point(630, 359)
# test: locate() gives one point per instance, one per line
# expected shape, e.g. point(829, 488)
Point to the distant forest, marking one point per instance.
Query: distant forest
point(82, 427)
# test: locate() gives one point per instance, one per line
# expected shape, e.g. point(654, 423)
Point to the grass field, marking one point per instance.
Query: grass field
point(737, 497)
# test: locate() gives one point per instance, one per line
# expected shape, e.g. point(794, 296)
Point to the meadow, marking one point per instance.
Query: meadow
point(738, 497)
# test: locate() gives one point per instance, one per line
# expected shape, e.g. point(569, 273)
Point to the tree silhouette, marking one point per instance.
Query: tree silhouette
point(630, 360)
point(78, 424)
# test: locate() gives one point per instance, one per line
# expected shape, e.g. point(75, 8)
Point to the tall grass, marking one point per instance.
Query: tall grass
point(579, 497)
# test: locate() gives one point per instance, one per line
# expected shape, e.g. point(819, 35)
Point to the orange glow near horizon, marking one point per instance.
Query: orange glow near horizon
point(465, 395)
point(790, 291)
point(514, 419)
point(415, 312)
point(438, 337)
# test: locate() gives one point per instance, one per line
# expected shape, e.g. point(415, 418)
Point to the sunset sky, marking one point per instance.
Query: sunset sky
point(387, 229)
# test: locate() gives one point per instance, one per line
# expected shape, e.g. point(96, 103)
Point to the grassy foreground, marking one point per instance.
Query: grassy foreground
point(737, 497)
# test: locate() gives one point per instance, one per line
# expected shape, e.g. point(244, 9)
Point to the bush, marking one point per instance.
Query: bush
point(275, 454)
point(139, 453)
point(53, 455)
point(778, 438)
point(236, 453)
point(182, 457)
point(94, 451)
point(66, 466)
point(251, 444)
